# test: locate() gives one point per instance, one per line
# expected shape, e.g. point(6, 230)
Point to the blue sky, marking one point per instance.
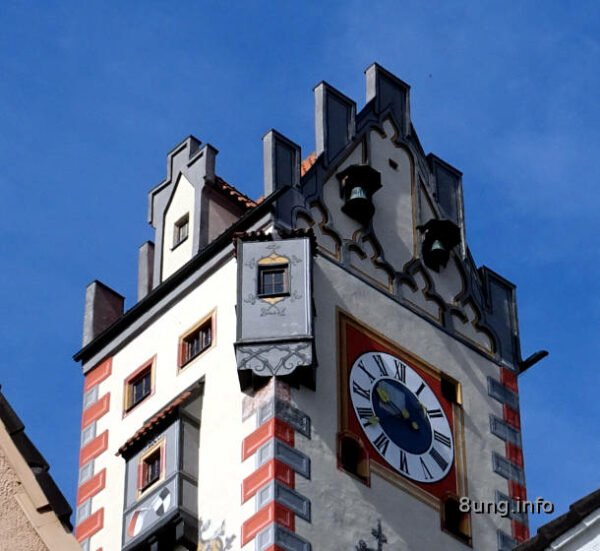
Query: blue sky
point(94, 95)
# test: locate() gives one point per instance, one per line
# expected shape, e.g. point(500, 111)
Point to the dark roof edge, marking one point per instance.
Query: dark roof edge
point(36, 462)
point(180, 275)
point(549, 532)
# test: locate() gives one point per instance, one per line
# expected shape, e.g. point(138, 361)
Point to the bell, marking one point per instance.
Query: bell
point(358, 205)
point(437, 254)
point(357, 193)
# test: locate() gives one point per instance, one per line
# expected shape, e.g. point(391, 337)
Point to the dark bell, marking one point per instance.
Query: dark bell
point(358, 205)
point(440, 236)
point(357, 185)
point(437, 255)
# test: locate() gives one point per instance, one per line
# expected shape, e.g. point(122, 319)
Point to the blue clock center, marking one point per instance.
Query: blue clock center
point(402, 416)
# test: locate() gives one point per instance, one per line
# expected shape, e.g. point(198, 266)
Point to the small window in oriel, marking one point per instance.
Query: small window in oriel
point(273, 281)
point(152, 468)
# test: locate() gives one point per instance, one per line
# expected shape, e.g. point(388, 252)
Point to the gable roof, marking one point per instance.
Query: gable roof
point(233, 193)
point(35, 461)
point(155, 421)
point(549, 532)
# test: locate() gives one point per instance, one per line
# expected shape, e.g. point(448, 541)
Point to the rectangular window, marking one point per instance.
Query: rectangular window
point(138, 386)
point(451, 390)
point(272, 280)
point(151, 466)
point(196, 341)
point(181, 230)
point(151, 469)
point(454, 521)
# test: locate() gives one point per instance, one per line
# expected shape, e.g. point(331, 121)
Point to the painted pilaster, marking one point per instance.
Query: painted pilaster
point(270, 486)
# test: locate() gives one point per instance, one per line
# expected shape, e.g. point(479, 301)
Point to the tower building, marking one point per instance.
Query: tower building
point(324, 368)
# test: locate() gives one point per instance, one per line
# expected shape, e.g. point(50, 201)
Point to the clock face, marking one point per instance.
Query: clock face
point(401, 416)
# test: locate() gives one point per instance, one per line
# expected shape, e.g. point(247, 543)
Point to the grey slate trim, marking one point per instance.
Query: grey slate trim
point(276, 449)
point(296, 418)
point(90, 397)
point(281, 159)
point(335, 120)
point(513, 511)
point(88, 433)
point(505, 542)
point(504, 431)
point(286, 412)
point(404, 303)
point(504, 395)
point(276, 491)
point(276, 534)
point(507, 469)
point(86, 472)
point(83, 511)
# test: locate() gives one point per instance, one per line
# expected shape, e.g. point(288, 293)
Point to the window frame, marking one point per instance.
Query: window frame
point(128, 403)
point(183, 360)
point(143, 465)
point(271, 268)
point(183, 221)
point(464, 528)
point(362, 472)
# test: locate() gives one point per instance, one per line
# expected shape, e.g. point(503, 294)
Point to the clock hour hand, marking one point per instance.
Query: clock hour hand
point(392, 408)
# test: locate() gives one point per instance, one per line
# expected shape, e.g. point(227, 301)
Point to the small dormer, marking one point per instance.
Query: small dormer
point(188, 210)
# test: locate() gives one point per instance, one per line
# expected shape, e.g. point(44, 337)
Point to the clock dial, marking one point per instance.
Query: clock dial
point(401, 416)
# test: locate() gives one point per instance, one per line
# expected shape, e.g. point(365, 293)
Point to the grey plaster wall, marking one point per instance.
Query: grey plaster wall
point(342, 505)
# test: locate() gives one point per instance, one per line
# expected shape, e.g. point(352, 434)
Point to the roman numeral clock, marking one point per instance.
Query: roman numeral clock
point(399, 417)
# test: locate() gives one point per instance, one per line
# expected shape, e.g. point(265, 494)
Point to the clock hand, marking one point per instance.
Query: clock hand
point(383, 395)
point(387, 401)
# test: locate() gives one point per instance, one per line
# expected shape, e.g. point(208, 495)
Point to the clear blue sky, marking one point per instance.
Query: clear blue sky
point(94, 94)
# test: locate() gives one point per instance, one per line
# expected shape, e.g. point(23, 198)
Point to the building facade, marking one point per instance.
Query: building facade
point(323, 368)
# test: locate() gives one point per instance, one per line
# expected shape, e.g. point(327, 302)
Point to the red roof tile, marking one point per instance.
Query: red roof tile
point(155, 420)
point(233, 193)
point(307, 163)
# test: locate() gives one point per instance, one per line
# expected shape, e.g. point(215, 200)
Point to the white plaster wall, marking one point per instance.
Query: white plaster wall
point(221, 425)
point(344, 510)
point(182, 202)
